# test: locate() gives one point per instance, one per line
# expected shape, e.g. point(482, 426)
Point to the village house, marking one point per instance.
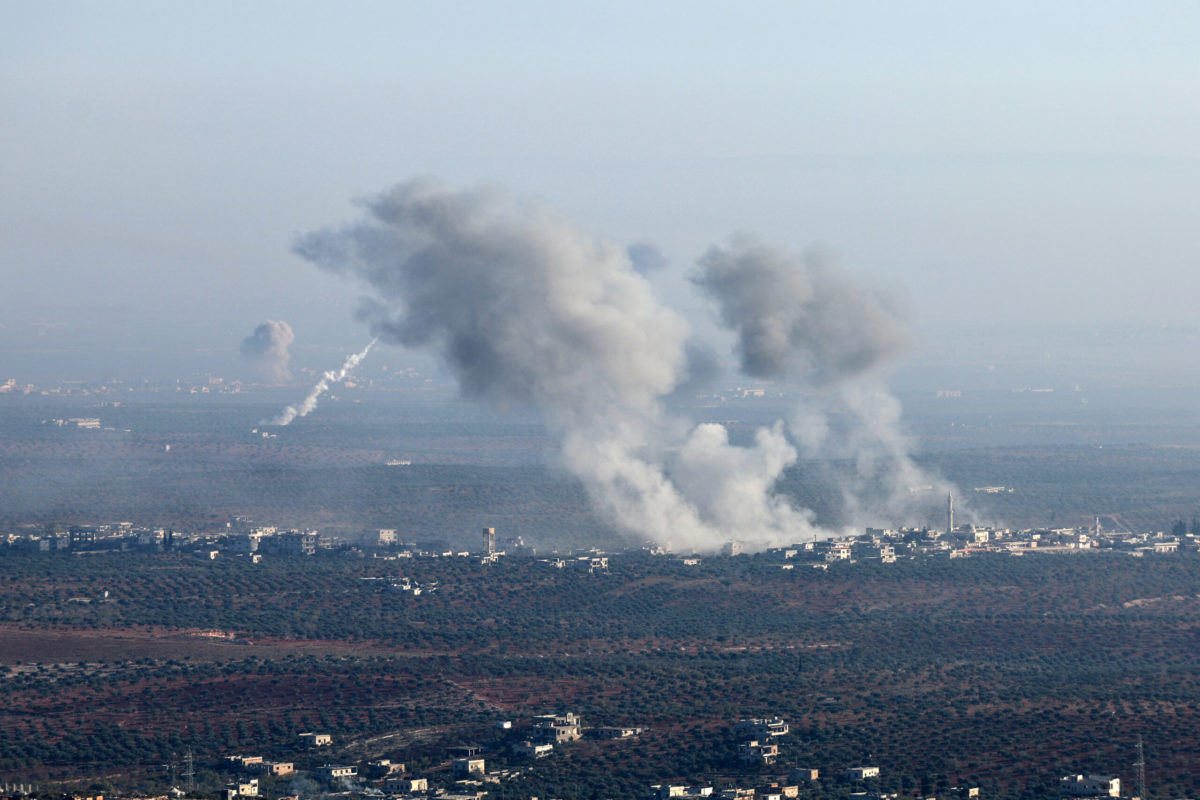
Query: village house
point(312, 740)
point(760, 728)
point(468, 766)
point(1089, 786)
point(755, 751)
point(557, 728)
point(406, 785)
point(532, 749)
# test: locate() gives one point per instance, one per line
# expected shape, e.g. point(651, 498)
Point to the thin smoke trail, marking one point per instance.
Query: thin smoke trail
point(292, 412)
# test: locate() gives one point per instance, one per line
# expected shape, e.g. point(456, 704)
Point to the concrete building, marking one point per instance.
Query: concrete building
point(406, 785)
point(383, 767)
point(311, 740)
point(758, 752)
point(760, 728)
point(532, 749)
point(618, 733)
point(862, 773)
point(557, 728)
point(293, 543)
point(242, 788)
point(464, 767)
point(1089, 786)
point(666, 791)
point(335, 771)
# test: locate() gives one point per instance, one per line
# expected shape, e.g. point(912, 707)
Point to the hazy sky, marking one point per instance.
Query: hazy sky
point(1001, 163)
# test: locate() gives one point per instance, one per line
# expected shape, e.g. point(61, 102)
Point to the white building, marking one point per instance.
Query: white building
point(468, 766)
point(1089, 786)
point(316, 740)
point(759, 728)
point(407, 784)
point(532, 750)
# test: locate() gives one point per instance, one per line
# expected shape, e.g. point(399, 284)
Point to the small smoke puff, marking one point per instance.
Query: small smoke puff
point(799, 316)
point(267, 349)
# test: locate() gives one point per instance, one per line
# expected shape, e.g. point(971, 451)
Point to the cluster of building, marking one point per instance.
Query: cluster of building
point(960, 541)
point(757, 745)
point(242, 540)
point(464, 775)
point(376, 778)
point(126, 537)
point(1072, 787)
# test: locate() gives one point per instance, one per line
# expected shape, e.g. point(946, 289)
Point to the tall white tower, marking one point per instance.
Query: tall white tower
point(949, 513)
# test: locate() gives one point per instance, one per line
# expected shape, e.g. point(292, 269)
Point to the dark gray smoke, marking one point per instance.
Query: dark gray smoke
point(799, 316)
point(267, 349)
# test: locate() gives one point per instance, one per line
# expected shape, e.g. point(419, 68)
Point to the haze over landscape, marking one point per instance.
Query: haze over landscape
point(822, 377)
point(1001, 165)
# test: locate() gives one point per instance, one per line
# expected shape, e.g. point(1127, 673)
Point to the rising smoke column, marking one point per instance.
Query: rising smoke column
point(290, 413)
point(267, 349)
point(528, 311)
point(804, 318)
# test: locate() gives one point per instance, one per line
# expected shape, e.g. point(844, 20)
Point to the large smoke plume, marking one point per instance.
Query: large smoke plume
point(267, 350)
point(529, 311)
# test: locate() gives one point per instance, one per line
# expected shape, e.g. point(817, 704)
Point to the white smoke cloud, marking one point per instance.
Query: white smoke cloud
point(267, 349)
point(290, 413)
point(803, 318)
point(528, 311)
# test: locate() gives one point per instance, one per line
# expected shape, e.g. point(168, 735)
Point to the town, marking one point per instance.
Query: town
point(243, 538)
point(466, 771)
point(253, 661)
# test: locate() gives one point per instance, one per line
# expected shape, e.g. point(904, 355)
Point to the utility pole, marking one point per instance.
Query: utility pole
point(189, 771)
point(1140, 767)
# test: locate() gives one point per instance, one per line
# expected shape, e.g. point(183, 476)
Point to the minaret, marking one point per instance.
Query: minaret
point(489, 542)
point(949, 514)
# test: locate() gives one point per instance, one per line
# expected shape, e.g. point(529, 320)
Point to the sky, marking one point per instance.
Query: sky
point(1001, 165)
